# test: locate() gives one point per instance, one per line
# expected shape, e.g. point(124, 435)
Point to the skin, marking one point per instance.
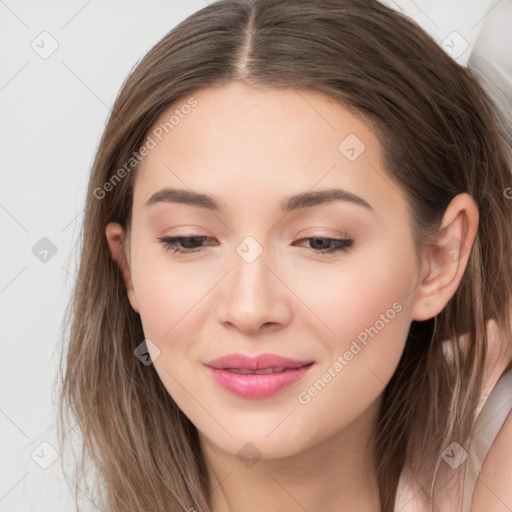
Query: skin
point(250, 148)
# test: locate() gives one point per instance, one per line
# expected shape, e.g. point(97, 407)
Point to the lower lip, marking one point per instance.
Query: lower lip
point(254, 385)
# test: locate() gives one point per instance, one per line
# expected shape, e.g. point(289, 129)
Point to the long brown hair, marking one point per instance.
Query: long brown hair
point(439, 136)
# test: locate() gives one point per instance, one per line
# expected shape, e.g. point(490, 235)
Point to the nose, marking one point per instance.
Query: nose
point(254, 298)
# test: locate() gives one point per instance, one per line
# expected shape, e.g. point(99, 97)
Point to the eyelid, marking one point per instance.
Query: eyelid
point(324, 233)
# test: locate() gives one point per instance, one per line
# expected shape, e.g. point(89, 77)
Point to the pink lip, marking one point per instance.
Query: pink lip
point(254, 385)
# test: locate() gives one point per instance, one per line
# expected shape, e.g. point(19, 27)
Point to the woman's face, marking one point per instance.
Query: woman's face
point(262, 280)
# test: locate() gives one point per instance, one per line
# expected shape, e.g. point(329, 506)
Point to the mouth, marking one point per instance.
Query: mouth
point(243, 371)
point(242, 362)
point(258, 377)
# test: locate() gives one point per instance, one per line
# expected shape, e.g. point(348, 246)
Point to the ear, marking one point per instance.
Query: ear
point(115, 234)
point(444, 262)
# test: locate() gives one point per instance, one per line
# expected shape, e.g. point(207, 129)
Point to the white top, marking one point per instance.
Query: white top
point(489, 422)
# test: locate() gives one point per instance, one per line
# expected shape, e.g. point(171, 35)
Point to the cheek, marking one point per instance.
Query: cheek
point(368, 312)
point(168, 295)
point(343, 299)
point(362, 320)
point(172, 304)
point(367, 301)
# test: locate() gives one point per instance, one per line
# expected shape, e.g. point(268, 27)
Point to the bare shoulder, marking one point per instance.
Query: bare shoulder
point(493, 490)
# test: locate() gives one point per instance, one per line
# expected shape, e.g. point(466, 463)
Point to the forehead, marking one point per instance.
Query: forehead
point(247, 144)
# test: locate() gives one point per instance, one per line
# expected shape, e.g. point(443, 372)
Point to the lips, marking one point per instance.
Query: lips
point(256, 377)
point(262, 363)
point(241, 371)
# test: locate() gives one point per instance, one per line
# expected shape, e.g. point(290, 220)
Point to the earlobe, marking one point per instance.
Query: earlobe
point(445, 261)
point(115, 234)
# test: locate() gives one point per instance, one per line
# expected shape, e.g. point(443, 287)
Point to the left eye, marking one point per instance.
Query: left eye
point(191, 244)
point(329, 245)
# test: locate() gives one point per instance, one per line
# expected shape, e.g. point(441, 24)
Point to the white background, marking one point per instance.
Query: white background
point(52, 114)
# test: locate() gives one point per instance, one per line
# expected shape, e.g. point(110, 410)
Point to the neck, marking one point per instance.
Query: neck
point(335, 474)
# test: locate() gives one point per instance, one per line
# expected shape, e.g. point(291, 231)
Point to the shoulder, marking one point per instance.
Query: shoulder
point(493, 489)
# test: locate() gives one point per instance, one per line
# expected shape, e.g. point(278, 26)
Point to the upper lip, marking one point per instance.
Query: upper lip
point(259, 362)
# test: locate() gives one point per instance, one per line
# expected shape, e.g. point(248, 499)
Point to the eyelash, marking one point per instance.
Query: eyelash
point(171, 244)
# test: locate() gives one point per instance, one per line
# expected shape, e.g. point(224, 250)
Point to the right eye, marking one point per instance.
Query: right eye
point(191, 243)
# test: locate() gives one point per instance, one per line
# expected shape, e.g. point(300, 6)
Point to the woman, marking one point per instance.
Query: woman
point(309, 189)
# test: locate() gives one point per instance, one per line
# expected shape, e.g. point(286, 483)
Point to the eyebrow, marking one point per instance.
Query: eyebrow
point(292, 203)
